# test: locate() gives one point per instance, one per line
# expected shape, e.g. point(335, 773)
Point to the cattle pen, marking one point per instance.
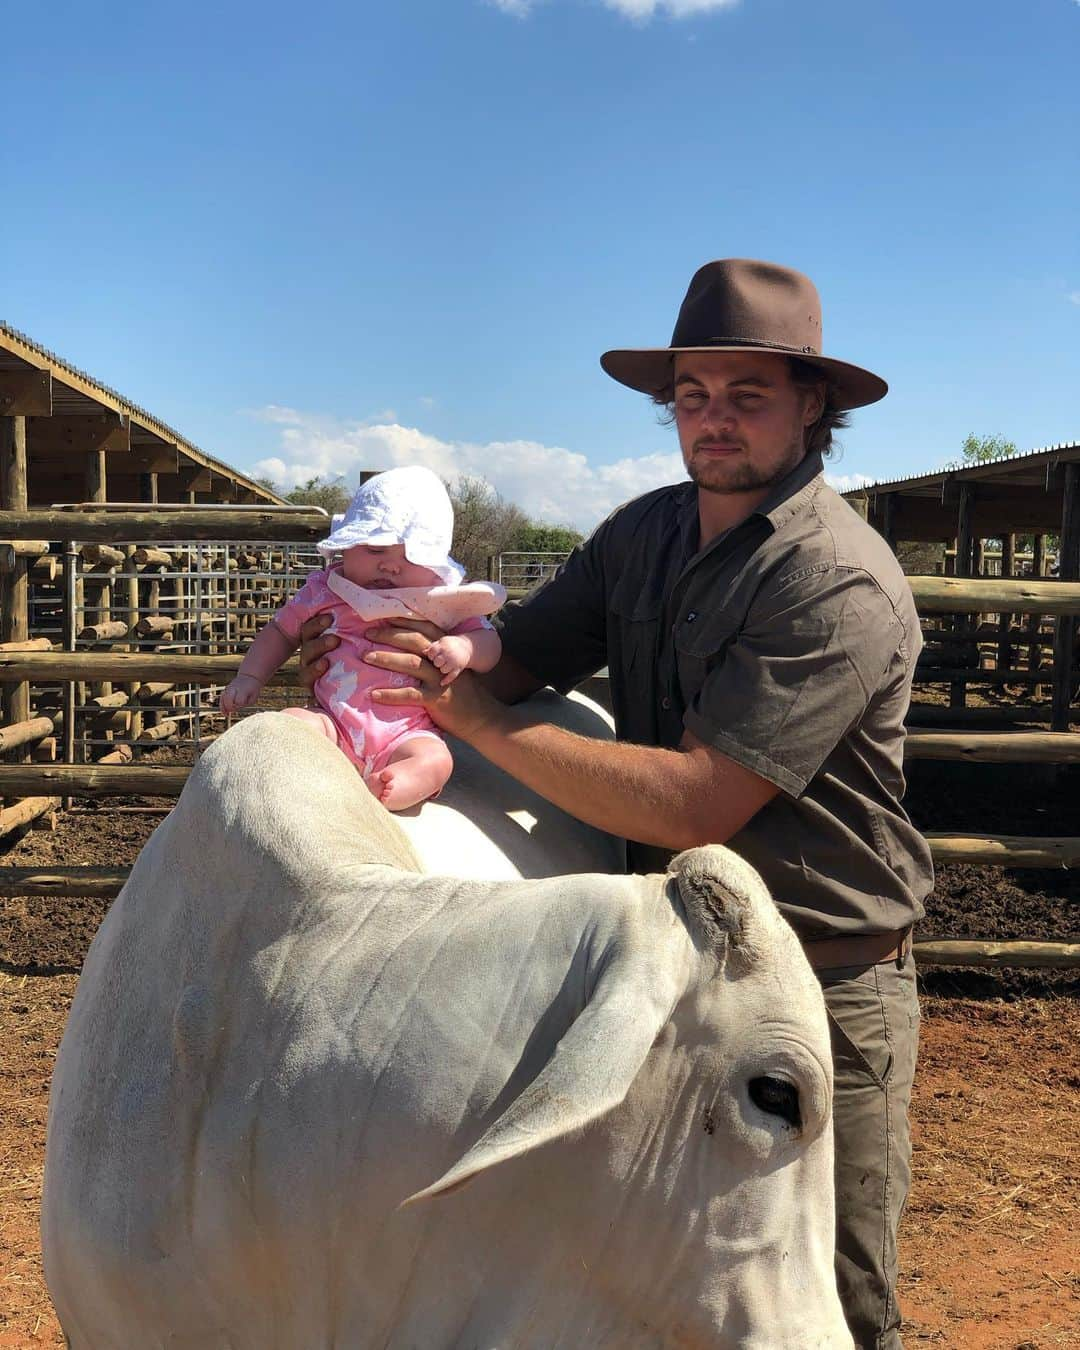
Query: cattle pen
point(122, 619)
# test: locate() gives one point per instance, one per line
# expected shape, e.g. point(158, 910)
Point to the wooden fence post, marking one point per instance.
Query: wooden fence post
point(1068, 570)
point(14, 585)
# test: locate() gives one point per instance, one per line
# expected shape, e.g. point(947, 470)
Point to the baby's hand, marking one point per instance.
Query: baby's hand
point(240, 693)
point(450, 655)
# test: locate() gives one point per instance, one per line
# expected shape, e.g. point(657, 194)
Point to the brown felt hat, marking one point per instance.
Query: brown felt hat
point(739, 305)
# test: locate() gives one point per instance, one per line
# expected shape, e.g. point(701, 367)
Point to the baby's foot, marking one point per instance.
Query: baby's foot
point(397, 787)
point(417, 774)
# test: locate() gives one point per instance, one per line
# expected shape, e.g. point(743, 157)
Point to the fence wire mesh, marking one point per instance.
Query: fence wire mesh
point(204, 599)
point(520, 572)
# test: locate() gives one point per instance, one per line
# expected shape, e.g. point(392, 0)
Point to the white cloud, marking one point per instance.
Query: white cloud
point(1074, 296)
point(518, 8)
point(641, 11)
point(638, 11)
point(274, 412)
point(549, 482)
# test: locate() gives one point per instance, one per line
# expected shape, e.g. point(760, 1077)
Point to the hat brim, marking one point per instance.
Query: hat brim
point(648, 370)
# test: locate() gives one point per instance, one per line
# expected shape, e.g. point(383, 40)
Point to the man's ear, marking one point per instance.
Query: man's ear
point(815, 404)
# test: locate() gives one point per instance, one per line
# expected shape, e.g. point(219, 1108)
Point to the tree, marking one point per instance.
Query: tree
point(536, 537)
point(331, 494)
point(982, 449)
point(483, 523)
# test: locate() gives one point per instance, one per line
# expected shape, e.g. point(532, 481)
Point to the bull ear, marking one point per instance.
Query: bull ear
point(589, 1073)
point(720, 893)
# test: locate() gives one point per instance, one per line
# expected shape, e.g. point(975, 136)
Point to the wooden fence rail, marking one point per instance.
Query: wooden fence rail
point(106, 883)
point(987, 747)
point(1040, 955)
point(994, 595)
point(53, 667)
point(1001, 850)
point(297, 525)
point(93, 780)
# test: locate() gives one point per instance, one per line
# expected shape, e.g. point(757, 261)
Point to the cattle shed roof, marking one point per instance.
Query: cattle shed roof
point(1031, 467)
point(70, 414)
point(1022, 493)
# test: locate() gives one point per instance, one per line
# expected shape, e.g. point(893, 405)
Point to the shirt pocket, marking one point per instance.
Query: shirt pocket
point(635, 617)
point(702, 638)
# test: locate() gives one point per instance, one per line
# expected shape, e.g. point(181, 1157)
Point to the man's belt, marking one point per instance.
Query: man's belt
point(863, 949)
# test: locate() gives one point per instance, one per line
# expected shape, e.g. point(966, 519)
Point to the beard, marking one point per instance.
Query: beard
point(739, 474)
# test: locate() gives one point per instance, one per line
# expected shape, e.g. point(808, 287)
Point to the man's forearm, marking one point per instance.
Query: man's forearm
point(509, 681)
point(671, 798)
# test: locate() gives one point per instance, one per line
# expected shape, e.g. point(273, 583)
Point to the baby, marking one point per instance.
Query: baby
point(394, 542)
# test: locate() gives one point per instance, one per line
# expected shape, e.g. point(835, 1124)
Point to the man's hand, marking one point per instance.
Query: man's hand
point(315, 642)
point(461, 707)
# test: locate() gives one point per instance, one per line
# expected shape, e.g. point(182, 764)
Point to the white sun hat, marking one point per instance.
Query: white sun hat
point(407, 506)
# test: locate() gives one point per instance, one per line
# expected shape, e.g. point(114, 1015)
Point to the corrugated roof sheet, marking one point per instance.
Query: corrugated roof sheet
point(975, 470)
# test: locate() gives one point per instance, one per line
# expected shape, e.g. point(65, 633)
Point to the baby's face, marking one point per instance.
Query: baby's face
point(382, 566)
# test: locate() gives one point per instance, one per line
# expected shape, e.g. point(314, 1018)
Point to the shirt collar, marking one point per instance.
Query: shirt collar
point(790, 496)
point(794, 491)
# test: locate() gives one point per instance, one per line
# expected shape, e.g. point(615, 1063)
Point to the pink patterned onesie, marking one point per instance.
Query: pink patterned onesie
point(368, 733)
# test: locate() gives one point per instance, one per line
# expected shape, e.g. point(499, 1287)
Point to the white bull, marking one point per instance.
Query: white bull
point(284, 1030)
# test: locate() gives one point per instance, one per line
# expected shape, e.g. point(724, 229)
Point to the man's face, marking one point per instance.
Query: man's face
point(741, 419)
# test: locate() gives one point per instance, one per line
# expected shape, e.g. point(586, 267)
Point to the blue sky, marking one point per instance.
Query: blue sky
point(340, 236)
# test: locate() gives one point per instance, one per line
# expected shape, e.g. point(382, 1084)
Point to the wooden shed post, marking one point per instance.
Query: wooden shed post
point(965, 533)
point(15, 590)
point(888, 519)
point(965, 545)
point(1066, 626)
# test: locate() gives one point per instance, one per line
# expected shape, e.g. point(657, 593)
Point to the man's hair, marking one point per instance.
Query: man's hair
point(805, 375)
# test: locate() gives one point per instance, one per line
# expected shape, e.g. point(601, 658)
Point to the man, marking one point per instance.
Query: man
point(761, 640)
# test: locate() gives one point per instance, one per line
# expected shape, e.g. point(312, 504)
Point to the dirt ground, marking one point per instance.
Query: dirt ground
point(991, 1238)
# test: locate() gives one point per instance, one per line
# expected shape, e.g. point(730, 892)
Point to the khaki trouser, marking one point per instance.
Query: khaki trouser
point(874, 1023)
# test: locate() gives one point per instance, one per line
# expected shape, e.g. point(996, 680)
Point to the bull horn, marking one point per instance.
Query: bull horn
point(591, 1070)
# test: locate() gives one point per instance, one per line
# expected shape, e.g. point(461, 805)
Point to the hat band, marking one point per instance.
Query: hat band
point(746, 342)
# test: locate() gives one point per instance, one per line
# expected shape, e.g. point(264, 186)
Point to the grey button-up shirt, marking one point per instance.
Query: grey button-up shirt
point(788, 644)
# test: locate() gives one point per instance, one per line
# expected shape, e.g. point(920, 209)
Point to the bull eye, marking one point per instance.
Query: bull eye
point(777, 1097)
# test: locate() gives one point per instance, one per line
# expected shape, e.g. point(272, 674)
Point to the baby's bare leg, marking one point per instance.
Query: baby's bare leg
point(317, 721)
point(414, 772)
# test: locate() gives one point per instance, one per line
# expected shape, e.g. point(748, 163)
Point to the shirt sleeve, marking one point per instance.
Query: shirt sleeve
point(310, 599)
point(558, 632)
point(798, 675)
